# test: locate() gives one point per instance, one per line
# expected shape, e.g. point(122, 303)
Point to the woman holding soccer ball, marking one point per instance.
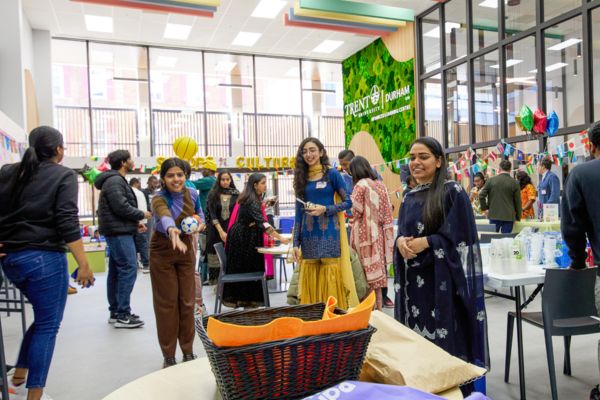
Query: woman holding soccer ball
point(172, 261)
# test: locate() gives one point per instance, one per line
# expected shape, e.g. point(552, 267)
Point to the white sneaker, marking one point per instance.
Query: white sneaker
point(16, 392)
point(20, 393)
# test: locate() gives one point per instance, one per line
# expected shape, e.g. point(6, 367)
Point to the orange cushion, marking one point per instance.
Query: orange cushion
point(225, 334)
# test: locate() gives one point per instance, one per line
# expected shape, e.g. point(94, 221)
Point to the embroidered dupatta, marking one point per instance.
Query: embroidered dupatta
point(372, 233)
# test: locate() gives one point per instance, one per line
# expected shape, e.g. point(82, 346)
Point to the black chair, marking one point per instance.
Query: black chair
point(568, 302)
point(231, 278)
point(487, 237)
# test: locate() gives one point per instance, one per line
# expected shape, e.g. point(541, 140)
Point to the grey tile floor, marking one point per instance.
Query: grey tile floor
point(92, 358)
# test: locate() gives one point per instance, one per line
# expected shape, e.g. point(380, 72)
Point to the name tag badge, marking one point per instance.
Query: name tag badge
point(544, 192)
point(321, 185)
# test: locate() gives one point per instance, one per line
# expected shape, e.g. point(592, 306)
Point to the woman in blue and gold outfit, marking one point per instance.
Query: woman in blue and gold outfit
point(320, 238)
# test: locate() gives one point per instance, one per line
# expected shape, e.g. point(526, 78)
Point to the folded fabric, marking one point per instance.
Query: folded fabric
point(224, 334)
point(399, 356)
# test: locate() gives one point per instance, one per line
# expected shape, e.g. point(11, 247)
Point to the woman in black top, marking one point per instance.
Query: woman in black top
point(38, 221)
point(245, 235)
point(220, 203)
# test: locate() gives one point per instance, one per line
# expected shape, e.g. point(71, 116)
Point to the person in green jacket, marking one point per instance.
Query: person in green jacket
point(204, 185)
point(501, 199)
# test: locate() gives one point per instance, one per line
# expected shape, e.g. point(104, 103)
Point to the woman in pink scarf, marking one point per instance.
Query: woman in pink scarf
point(372, 235)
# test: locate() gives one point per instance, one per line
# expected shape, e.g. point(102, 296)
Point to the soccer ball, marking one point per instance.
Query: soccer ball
point(189, 225)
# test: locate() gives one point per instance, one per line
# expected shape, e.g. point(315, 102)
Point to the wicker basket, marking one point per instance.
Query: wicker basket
point(284, 369)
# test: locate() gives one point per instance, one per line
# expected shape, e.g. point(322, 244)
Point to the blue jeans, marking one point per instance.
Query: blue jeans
point(43, 278)
point(122, 273)
point(503, 226)
point(141, 248)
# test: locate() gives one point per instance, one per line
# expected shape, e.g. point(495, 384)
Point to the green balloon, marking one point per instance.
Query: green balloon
point(91, 174)
point(526, 118)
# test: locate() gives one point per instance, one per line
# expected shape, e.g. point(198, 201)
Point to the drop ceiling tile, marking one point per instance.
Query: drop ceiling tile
point(182, 19)
point(62, 5)
point(70, 22)
point(154, 17)
point(124, 12)
point(95, 9)
point(39, 19)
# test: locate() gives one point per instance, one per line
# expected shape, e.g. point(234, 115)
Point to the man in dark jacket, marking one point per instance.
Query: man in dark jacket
point(118, 218)
point(581, 208)
point(501, 198)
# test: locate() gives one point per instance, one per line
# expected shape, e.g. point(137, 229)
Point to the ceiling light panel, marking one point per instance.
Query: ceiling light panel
point(268, 9)
point(328, 46)
point(565, 44)
point(246, 39)
point(97, 23)
point(177, 31)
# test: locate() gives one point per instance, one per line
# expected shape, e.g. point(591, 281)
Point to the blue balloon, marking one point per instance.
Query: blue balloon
point(552, 125)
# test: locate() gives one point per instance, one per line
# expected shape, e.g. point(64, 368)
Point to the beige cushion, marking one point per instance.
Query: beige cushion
point(399, 356)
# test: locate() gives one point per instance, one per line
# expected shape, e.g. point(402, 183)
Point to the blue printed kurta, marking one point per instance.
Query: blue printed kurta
point(319, 237)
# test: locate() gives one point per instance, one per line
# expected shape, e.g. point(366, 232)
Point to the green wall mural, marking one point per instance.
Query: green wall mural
point(379, 99)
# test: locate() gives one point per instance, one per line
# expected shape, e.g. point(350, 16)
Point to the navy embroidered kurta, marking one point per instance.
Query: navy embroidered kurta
point(439, 294)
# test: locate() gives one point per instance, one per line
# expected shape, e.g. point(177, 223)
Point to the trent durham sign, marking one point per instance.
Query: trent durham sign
point(375, 103)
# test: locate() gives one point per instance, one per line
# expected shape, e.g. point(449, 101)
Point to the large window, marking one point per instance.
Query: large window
point(279, 122)
point(564, 75)
point(519, 15)
point(430, 51)
point(432, 96)
point(524, 53)
point(457, 106)
point(70, 96)
point(141, 98)
point(177, 90)
point(485, 24)
point(119, 98)
point(229, 94)
point(487, 97)
point(521, 85)
point(455, 28)
point(323, 102)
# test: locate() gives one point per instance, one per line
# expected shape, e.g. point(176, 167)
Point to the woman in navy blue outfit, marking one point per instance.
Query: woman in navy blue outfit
point(38, 222)
point(438, 279)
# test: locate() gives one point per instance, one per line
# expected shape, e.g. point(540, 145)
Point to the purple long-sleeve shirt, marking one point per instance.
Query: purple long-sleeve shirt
point(164, 221)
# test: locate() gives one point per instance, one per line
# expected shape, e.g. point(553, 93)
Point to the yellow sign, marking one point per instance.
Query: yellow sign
point(251, 163)
point(265, 162)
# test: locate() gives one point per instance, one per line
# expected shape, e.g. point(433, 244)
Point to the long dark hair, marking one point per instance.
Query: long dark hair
point(249, 194)
point(433, 211)
point(43, 142)
point(301, 169)
point(361, 169)
point(523, 178)
point(217, 190)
